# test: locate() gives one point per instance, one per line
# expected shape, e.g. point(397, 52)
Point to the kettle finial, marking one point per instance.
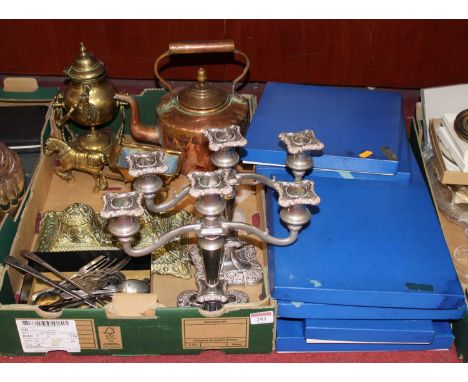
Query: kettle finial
point(82, 48)
point(201, 75)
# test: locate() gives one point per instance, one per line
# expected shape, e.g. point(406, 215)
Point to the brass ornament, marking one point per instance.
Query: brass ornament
point(76, 228)
point(172, 259)
point(88, 101)
point(79, 228)
point(92, 162)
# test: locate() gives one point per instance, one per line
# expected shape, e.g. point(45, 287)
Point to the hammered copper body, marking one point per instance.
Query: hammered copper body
point(184, 113)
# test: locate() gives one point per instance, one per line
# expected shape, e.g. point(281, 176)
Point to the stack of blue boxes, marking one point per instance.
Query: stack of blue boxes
point(371, 271)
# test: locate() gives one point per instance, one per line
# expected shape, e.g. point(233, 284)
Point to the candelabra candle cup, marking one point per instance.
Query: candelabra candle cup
point(298, 146)
point(122, 209)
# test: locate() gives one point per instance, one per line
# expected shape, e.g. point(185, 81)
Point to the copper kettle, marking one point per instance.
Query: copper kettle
point(185, 112)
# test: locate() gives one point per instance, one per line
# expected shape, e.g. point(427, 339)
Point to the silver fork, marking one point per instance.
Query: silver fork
point(101, 262)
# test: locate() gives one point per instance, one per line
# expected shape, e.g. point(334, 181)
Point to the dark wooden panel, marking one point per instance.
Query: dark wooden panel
point(128, 47)
point(383, 53)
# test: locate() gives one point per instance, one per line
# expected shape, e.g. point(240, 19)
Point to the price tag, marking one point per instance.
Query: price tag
point(42, 336)
point(261, 318)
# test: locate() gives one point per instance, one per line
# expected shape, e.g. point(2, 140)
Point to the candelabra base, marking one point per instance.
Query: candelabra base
point(188, 298)
point(240, 265)
point(209, 297)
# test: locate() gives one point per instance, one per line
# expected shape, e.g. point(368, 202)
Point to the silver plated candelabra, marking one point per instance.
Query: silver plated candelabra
point(219, 256)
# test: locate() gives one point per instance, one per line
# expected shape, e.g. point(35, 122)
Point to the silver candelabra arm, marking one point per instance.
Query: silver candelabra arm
point(263, 235)
point(298, 146)
point(162, 207)
point(259, 178)
point(162, 241)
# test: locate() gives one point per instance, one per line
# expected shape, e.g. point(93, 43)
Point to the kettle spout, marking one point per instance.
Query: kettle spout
point(139, 131)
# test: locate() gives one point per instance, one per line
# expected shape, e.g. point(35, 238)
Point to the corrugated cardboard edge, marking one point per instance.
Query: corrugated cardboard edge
point(20, 84)
point(26, 227)
point(141, 305)
point(454, 234)
point(445, 176)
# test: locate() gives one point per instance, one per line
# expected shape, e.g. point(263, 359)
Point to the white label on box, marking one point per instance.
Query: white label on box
point(261, 318)
point(41, 336)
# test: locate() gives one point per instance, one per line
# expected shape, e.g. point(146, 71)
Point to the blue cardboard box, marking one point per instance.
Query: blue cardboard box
point(291, 338)
point(293, 309)
point(349, 121)
point(371, 243)
point(370, 331)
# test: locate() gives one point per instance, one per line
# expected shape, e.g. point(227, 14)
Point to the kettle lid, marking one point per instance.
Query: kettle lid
point(202, 96)
point(86, 66)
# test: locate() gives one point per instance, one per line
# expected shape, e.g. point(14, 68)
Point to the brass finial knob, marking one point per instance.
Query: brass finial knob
point(201, 75)
point(82, 48)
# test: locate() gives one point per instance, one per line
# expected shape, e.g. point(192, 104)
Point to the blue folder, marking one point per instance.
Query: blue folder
point(291, 309)
point(373, 243)
point(291, 338)
point(348, 120)
point(370, 331)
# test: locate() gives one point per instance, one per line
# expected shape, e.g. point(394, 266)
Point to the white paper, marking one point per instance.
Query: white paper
point(444, 99)
point(41, 336)
point(259, 318)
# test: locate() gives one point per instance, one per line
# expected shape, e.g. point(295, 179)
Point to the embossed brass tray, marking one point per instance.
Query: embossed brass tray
point(79, 228)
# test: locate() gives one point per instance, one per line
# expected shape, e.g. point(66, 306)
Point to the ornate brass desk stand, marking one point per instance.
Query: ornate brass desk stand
point(211, 189)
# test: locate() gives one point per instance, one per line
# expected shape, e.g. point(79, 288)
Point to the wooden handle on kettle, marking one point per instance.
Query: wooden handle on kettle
point(196, 47)
point(213, 46)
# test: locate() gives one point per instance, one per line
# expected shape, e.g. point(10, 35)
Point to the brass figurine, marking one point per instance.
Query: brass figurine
point(184, 113)
point(70, 159)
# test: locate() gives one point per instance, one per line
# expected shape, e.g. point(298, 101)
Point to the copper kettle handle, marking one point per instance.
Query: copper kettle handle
point(191, 47)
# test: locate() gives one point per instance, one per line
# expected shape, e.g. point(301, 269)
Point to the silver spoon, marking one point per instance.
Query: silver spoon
point(134, 286)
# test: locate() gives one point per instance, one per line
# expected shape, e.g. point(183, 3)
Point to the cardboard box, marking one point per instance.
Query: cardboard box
point(18, 92)
point(445, 176)
point(454, 236)
point(130, 324)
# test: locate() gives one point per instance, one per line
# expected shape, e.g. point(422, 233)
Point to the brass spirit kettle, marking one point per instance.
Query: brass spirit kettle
point(88, 100)
point(185, 112)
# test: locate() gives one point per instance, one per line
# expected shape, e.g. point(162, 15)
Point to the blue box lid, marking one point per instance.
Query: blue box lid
point(370, 331)
point(301, 310)
point(348, 120)
point(290, 338)
point(374, 243)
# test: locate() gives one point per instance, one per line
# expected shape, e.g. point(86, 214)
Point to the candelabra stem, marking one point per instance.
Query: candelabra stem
point(212, 253)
